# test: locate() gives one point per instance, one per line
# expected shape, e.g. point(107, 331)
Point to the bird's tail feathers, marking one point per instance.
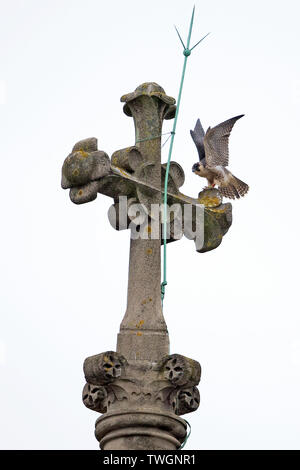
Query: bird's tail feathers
point(241, 187)
point(235, 189)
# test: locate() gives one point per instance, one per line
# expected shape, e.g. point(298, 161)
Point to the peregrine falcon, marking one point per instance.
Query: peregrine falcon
point(213, 153)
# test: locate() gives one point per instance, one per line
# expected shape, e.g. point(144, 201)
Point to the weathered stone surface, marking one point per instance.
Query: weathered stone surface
point(129, 158)
point(187, 401)
point(217, 220)
point(86, 145)
point(81, 167)
point(94, 397)
point(210, 198)
point(180, 370)
point(176, 174)
point(140, 430)
point(86, 193)
point(104, 368)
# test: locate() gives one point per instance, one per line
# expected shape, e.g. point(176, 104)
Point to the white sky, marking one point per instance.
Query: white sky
point(63, 66)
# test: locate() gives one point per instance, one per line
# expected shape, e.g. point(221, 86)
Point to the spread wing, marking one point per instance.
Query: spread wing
point(198, 138)
point(216, 143)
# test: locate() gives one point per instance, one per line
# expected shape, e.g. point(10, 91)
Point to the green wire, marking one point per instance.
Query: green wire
point(186, 53)
point(187, 435)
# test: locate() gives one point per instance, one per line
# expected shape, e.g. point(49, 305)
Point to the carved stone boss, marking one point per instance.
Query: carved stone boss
point(141, 390)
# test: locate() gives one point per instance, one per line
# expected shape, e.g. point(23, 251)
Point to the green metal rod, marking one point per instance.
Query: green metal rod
point(187, 53)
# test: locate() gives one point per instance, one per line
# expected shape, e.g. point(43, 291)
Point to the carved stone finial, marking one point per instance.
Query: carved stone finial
point(151, 90)
point(141, 389)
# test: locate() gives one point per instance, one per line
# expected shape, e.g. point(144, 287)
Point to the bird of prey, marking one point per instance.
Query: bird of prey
point(213, 153)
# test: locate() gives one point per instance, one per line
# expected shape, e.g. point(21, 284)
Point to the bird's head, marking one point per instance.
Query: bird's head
point(196, 167)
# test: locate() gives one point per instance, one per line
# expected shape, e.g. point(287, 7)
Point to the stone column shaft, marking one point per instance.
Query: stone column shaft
point(143, 333)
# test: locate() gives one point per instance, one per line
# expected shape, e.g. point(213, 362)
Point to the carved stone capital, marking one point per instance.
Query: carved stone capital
point(140, 392)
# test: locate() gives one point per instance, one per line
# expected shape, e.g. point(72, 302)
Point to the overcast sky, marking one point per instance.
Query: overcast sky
point(64, 65)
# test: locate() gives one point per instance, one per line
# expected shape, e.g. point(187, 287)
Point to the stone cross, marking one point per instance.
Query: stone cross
point(141, 390)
